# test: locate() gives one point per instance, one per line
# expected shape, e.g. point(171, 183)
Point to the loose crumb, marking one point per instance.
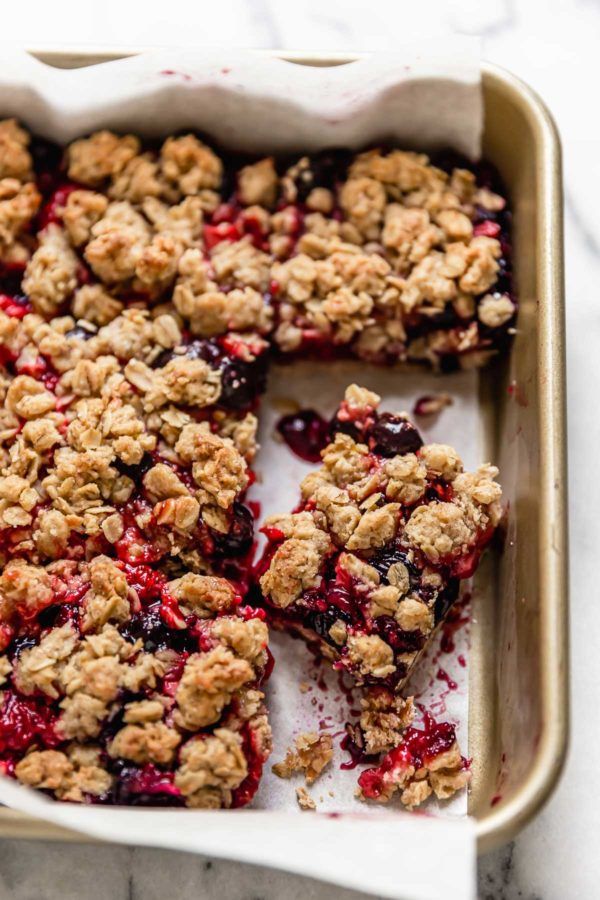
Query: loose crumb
point(305, 801)
point(312, 755)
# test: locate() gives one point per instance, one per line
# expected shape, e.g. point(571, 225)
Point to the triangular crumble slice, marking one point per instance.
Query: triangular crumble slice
point(370, 562)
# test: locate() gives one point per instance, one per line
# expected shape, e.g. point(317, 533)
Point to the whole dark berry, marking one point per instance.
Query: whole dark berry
point(392, 435)
point(242, 382)
point(389, 556)
point(238, 539)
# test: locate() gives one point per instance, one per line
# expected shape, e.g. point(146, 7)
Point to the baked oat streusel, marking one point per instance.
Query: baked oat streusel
point(384, 254)
point(131, 673)
point(143, 291)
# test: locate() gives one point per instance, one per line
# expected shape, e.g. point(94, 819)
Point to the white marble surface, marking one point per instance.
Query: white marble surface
point(553, 44)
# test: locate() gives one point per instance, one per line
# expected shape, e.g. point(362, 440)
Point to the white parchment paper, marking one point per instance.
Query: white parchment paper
point(422, 97)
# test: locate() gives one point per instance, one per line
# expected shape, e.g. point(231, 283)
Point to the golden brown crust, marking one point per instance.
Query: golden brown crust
point(207, 685)
point(70, 776)
point(210, 768)
point(383, 719)
point(188, 166)
point(15, 159)
point(258, 183)
point(51, 274)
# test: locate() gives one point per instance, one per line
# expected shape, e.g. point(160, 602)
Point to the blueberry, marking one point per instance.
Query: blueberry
point(392, 435)
point(114, 722)
point(238, 540)
point(47, 158)
point(81, 333)
point(23, 642)
point(321, 622)
point(324, 170)
point(484, 215)
point(344, 427)
point(242, 382)
point(163, 358)
point(46, 155)
point(49, 616)
point(445, 599)
point(388, 556)
point(207, 350)
point(135, 472)
point(149, 627)
point(447, 318)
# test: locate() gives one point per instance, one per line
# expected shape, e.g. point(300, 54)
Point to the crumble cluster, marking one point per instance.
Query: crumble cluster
point(312, 753)
point(114, 437)
point(369, 564)
point(102, 702)
point(383, 719)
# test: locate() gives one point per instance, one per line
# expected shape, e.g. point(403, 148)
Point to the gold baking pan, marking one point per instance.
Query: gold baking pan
point(518, 721)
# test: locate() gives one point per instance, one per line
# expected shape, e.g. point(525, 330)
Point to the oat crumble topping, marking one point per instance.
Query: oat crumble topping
point(132, 354)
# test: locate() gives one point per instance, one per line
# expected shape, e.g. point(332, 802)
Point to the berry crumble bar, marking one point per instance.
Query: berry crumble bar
point(370, 562)
point(143, 291)
point(383, 254)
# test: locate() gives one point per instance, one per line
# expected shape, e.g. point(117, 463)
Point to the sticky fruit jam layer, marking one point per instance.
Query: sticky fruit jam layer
point(127, 685)
point(370, 562)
